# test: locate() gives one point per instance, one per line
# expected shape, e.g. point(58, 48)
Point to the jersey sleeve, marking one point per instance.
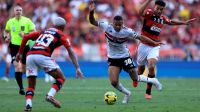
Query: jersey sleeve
point(167, 20)
point(133, 34)
point(148, 13)
point(65, 41)
point(103, 25)
point(33, 36)
point(8, 25)
point(31, 25)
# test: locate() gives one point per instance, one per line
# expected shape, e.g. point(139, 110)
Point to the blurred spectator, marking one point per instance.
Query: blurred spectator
point(89, 42)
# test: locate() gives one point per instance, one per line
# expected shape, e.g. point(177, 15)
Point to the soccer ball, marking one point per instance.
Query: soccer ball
point(110, 97)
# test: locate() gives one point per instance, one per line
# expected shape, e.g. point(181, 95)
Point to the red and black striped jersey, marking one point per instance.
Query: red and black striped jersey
point(153, 25)
point(46, 41)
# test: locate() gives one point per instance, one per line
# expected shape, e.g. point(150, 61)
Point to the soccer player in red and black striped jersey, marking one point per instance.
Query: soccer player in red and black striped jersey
point(39, 57)
point(152, 25)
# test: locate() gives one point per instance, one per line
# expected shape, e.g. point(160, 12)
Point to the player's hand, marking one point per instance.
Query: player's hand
point(21, 34)
point(91, 5)
point(190, 21)
point(79, 74)
point(7, 40)
point(18, 57)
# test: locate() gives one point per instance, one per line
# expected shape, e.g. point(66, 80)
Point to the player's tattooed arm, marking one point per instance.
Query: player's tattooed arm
point(177, 22)
point(91, 15)
point(146, 39)
point(143, 7)
point(72, 56)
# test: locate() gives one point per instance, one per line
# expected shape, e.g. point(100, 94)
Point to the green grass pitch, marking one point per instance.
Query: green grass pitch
point(178, 95)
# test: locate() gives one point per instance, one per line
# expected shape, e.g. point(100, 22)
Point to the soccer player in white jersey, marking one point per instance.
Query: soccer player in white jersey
point(118, 54)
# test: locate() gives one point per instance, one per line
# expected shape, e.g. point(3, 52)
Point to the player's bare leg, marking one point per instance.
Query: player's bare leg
point(60, 79)
point(140, 72)
point(113, 72)
point(151, 66)
point(8, 65)
point(7, 72)
point(30, 93)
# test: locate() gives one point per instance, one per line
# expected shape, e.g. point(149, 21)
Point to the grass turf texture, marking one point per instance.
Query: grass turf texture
point(178, 95)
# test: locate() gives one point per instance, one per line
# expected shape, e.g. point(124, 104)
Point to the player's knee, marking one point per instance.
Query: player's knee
point(24, 69)
point(114, 83)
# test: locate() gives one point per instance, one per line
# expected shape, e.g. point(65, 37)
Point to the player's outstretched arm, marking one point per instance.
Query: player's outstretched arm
point(72, 56)
point(91, 15)
point(31, 36)
point(176, 22)
point(146, 39)
point(143, 7)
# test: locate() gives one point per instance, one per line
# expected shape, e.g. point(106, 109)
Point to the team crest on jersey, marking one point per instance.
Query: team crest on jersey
point(30, 71)
point(22, 28)
point(13, 29)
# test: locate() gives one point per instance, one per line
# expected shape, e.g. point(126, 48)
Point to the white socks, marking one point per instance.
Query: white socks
point(29, 102)
point(142, 78)
point(52, 92)
point(122, 89)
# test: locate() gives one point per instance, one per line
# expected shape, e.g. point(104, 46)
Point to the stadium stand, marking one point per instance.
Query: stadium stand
point(182, 42)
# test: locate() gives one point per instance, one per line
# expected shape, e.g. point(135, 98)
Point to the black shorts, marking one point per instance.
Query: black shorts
point(123, 63)
point(14, 50)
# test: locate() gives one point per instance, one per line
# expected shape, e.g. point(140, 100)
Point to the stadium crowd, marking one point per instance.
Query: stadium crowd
point(182, 42)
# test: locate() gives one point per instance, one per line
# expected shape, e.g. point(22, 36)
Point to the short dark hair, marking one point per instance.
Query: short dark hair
point(118, 18)
point(160, 2)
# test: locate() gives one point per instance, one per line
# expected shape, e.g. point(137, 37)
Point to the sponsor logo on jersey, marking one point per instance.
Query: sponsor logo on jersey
point(156, 29)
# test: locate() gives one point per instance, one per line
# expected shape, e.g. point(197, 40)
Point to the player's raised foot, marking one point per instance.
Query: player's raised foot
point(53, 101)
point(21, 92)
point(135, 83)
point(148, 97)
point(126, 98)
point(27, 108)
point(157, 84)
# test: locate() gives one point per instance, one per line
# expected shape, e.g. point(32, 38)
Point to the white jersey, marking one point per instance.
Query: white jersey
point(116, 41)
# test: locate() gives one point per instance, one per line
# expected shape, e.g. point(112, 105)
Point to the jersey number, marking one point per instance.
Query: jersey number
point(128, 61)
point(45, 40)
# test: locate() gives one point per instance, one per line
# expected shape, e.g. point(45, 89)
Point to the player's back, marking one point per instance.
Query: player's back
point(48, 41)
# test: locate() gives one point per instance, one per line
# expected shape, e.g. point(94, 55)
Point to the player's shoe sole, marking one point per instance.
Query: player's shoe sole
point(27, 108)
point(148, 97)
point(53, 101)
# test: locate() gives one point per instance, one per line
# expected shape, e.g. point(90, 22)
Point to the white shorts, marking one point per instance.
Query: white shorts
point(146, 52)
point(8, 58)
point(35, 62)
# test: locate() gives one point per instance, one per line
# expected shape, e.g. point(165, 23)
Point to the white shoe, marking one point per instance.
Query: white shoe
point(5, 79)
point(157, 84)
point(126, 98)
